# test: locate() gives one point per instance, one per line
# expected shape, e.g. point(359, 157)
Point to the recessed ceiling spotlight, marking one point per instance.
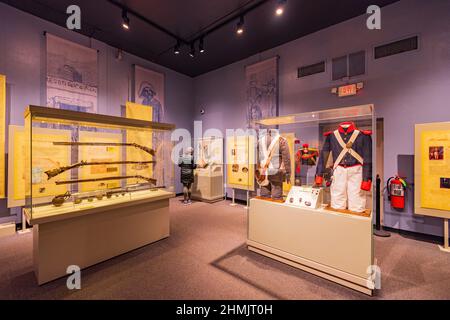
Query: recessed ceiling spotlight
point(280, 7)
point(176, 49)
point(201, 47)
point(192, 52)
point(126, 20)
point(240, 26)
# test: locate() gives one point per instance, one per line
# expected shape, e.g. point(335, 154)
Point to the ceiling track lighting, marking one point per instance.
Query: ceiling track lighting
point(192, 52)
point(240, 26)
point(280, 7)
point(176, 49)
point(126, 20)
point(201, 47)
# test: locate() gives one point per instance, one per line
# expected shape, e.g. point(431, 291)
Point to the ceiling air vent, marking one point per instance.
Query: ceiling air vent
point(311, 69)
point(397, 47)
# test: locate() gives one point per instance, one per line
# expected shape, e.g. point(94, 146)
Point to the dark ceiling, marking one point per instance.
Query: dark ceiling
point(188, 19)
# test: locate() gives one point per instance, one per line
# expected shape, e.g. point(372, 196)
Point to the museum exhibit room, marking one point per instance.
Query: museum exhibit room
point(224, 150)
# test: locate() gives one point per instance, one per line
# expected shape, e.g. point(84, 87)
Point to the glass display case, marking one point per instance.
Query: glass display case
point(314, 205)
point(330, 150)
point(76, 161)
point(208, 181)
point(241, 155)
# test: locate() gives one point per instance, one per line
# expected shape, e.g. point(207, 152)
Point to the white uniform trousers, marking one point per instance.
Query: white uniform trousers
point(346, 189)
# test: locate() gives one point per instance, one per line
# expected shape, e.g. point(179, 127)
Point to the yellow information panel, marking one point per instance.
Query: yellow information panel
point(2, 134)
point(143, 138)
point(240, 162)
point(435, 169)
point(290, 138)
point(45, 157)
point(100, 154)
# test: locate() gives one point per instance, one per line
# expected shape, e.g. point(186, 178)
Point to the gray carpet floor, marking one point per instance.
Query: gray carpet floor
point(206, 258)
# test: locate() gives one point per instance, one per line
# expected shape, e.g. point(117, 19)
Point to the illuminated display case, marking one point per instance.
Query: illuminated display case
point(309, 151)
point(313, 209)
point(208, 180)
point(76, 161)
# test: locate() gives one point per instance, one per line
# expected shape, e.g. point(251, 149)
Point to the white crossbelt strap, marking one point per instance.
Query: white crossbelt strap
point(268, 154)
point(347, 148)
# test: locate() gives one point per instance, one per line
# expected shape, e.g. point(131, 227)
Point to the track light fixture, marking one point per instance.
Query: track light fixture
point(192, 52)
point(201, 47)
point(280, 7)
point(240, 26)
point(126, 20)
point(176, 49)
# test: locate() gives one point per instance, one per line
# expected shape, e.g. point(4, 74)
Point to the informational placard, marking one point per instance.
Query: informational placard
point(290, 138)
point(433, 166)
point(241, 162)
point(144, 138)
point(304, 197)
point(2, 134)
point(97, 154)
point(45, 157)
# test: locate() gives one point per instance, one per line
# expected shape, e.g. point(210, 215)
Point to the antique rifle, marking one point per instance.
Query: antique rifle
point(59, 200)
point(149, 180)
point(138, 146)
point(57, 171)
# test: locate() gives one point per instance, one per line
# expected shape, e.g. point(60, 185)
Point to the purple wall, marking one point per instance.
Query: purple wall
point(22, 60)
point(406, 89)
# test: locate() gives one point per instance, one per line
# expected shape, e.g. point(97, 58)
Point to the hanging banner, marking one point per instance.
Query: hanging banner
point(149, 91)
point(2, 134)
point(72, 81)
point(261, 90)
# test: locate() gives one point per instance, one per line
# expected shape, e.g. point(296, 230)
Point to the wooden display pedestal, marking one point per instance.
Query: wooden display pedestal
point(90, 236)
point(208, 187)
point(332, 245)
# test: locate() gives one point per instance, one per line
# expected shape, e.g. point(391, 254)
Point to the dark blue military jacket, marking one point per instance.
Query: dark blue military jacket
point(362, 145)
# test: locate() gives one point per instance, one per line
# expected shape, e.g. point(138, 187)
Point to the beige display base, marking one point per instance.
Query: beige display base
point(445, 247)
point(90, 236)
point(208, 187)
point(332, 245)
point(7, 229)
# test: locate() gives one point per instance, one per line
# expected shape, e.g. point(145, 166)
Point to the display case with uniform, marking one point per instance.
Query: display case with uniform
point(323, 223)
point(96, 186)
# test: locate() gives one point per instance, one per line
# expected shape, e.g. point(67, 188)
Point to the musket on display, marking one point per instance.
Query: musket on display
point(135, 145)
point(149, 180)
point(57, 171)
point(59, 200)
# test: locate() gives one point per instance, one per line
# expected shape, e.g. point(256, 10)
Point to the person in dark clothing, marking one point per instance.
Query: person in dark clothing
point(187, 165)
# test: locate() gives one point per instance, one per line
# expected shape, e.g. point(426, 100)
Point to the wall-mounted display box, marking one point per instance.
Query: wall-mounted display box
point(314, 212)
point(96, 186)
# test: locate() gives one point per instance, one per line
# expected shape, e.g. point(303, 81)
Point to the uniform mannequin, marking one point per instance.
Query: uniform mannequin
point(279, 169)
point(352, 162)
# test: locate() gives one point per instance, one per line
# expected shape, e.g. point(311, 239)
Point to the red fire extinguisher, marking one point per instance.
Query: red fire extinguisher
point(396, 188)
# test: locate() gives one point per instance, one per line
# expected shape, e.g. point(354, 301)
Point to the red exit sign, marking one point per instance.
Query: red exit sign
point(349, 90)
